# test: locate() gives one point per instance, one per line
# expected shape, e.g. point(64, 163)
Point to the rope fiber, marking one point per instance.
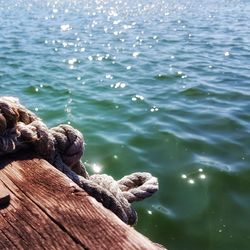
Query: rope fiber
point(63, 147)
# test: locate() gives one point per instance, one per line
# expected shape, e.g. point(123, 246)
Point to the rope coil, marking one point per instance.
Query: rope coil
point(63, 147)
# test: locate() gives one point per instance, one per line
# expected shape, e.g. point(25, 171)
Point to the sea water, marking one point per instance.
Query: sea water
point(155, 85)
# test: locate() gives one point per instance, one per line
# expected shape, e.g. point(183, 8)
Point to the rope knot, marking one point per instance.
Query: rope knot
point(138, 186)
point(107, 191)
point(70, 146)
point(117, 195)
point(63, 146)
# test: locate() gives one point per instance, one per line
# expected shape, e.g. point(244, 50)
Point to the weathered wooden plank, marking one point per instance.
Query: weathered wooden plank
point(26, 225)
point(5, 243)
point(48, 211)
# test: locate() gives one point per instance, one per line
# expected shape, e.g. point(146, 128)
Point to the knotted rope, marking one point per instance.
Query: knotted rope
point(63, 146)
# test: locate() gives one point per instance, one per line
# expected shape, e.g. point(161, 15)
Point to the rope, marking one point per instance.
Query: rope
point(63, 147)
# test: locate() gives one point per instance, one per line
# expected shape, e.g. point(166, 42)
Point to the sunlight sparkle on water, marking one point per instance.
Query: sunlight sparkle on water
point(127, 27)
point(154, 109)
point(118, 85)
point(136, 54)
point(194, 176)
point(72, 61)
point(96, 168)
point(65, 27)
point(137, 97)
point(191, 181)
point(109, 76)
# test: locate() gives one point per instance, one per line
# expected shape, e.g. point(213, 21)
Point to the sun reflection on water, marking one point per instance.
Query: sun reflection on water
point(194, 176)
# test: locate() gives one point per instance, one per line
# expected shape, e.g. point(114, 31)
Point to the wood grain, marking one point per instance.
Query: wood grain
point(48, 211)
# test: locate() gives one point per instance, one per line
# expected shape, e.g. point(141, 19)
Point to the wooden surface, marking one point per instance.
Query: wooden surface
point(48, 211)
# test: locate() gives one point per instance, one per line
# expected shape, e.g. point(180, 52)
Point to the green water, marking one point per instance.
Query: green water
point(157, 86)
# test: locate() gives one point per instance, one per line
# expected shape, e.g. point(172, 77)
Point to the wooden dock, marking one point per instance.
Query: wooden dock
point(48, 211)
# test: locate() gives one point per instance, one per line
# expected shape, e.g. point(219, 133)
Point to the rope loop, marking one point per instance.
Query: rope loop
point(138, 186)
point(63, 146)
